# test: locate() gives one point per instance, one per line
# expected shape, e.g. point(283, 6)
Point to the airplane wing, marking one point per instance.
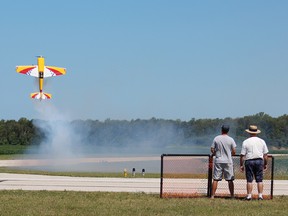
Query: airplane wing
point(50, 71)
point(31, 70)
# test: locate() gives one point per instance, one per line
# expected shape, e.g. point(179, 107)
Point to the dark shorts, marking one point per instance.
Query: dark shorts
point(254, 169)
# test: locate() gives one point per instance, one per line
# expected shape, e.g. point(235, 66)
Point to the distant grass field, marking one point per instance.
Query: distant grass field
point(106, 203)
point(75, 174)
point(10, 152)
point(12, 149)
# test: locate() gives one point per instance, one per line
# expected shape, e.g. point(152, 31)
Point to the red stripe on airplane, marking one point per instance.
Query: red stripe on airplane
point(47, 96)
point(24, 71)
point(55, 71)
point(34, 95)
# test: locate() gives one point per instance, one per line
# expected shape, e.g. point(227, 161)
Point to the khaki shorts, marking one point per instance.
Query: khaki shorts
point(225, 169)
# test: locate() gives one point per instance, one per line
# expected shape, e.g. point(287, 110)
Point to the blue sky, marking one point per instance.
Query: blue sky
point(143, 59)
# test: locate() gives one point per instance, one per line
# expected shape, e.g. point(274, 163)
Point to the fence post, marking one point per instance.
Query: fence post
point(210, 168)
point(272, 178)
point(161, 178)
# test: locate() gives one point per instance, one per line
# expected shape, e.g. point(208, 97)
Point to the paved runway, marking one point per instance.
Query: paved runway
point(63, 183)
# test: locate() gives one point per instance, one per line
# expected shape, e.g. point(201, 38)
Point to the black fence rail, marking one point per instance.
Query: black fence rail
point(191, 175)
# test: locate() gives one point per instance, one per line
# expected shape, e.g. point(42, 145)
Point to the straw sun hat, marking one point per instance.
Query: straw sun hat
point(253, 130)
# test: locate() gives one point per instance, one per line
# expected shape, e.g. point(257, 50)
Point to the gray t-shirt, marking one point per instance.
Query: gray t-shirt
point(223, 145)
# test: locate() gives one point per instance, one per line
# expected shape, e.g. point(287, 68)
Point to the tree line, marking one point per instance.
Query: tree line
point(160, 132)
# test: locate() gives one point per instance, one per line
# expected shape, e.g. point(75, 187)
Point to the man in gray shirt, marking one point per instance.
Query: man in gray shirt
point(223, 147)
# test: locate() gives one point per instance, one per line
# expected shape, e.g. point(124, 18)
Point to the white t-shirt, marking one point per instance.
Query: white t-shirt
point(254, 147)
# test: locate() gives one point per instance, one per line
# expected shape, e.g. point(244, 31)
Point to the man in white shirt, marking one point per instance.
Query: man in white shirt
point(254, 150)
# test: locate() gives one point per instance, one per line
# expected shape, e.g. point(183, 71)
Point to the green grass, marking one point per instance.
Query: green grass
point(106, 203)
point(12, 149)
point(273, 151)
point(74, 174)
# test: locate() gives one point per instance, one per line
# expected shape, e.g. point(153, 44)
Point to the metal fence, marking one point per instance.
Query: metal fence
point(190, 175)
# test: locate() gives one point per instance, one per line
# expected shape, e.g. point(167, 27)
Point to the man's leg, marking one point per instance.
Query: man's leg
point(229, 177)
point(260, 187)
point(217, 176)
point(260, 190)
point(249, 178)
point(259, 178)
point(231, 188)
point(249, 189)
point(214, 188)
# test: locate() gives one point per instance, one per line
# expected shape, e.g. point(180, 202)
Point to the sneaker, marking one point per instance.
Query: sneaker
point(247, 198)
point(260, 198)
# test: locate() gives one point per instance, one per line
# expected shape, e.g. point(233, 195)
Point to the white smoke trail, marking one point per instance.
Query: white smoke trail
point(67, 148)
point(60, 140)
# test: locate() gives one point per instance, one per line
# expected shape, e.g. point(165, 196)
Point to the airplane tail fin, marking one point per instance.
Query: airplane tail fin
point(40, 95)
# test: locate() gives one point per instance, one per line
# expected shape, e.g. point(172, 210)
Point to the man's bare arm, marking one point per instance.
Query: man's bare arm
point(242, 163)
point(233, 151)
point(213, 151)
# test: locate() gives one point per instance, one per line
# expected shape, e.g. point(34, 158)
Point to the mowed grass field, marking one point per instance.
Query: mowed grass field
point(106, 203)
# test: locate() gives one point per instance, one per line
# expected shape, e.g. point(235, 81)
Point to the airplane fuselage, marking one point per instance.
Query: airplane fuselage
point(41, 63)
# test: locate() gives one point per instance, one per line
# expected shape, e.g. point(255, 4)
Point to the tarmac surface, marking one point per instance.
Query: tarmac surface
point(63, 183)
point(10, 181)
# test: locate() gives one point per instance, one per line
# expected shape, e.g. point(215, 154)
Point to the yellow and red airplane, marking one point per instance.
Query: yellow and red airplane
point(41, 71)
